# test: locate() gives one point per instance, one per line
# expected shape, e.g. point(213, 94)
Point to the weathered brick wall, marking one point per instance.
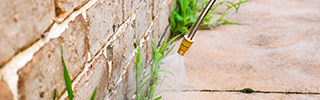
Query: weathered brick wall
point(98, 38)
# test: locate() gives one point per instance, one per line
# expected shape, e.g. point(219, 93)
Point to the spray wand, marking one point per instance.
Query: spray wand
point(187, 41)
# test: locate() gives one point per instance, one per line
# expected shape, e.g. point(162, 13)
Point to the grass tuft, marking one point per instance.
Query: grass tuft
point(152, 78)
point(184, 14)
point(207, 22)
point(55, 95)
point(94, 93)
point(247, 90)
point(66, 77)
point(68, 81)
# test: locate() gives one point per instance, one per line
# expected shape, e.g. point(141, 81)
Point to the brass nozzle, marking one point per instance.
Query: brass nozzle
point(185, 45)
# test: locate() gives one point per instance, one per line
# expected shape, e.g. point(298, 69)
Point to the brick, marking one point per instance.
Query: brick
point(156, 30)
point(22, 23)
point(99, 78)
point(131, 80)
point(46, 70)
point(5, 92)
point(156, 4)
point(122, 50)
point(43, 74)
point(129, 6)
point(143, 19)
point(127, 87)
point(75, 45)
point(104, 20)
point(164, 15)
point(148, 50)
point(69, 5)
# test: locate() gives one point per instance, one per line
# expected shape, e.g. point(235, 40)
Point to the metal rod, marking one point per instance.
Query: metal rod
point(201, 17)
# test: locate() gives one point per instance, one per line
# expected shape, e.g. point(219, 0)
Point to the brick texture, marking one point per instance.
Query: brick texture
point(99, 46)
point(22, 23)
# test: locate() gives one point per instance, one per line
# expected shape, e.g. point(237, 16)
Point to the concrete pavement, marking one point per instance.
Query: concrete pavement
point(277, 49)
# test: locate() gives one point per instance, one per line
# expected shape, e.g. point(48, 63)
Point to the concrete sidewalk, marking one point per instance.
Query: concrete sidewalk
point(277, 49)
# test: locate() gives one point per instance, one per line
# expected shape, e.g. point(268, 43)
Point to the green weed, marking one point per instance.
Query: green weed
point(68, 81)
point(207, 24)
point(55, 95)
point(94, 93)
point(184, 14)
point(66, 77)
point(152, 77)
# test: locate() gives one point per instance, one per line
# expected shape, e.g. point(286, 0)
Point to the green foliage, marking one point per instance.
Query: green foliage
point(139, 73)
point(206, 24)
point(159, 98)
point(67, 77)
point(152, 77)
point(94, 93)
point(68, 81)
point(55, 95)
point(183, 16)
point(247, 90)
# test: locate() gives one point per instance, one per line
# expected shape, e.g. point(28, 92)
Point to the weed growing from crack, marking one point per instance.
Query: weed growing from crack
point(152, 77)
point(184, 14)
point(66, 76)
point(207, 24)
point(94, 93)
point(247, 90)
point(68, 81)
point(55, 95)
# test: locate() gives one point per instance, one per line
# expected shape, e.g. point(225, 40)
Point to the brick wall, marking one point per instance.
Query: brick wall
point(98, 38)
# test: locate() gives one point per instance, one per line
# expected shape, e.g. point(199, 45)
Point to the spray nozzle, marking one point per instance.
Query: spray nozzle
point(187, 41)
point(185, 45)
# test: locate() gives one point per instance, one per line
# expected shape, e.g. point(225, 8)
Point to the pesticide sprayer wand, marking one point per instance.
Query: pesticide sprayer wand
point(187, 41)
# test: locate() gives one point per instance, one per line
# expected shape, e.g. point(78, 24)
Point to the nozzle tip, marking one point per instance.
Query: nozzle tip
point(185, 45)
point(181, 52)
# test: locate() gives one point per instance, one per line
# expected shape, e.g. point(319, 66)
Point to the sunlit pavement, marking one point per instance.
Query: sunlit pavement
point(277, 49)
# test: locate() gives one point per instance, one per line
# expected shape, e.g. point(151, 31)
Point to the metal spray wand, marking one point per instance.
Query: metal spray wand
point(187, 41)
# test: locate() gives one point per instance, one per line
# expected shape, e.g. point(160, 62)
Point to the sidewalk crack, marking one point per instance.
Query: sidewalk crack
point(249, 90)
